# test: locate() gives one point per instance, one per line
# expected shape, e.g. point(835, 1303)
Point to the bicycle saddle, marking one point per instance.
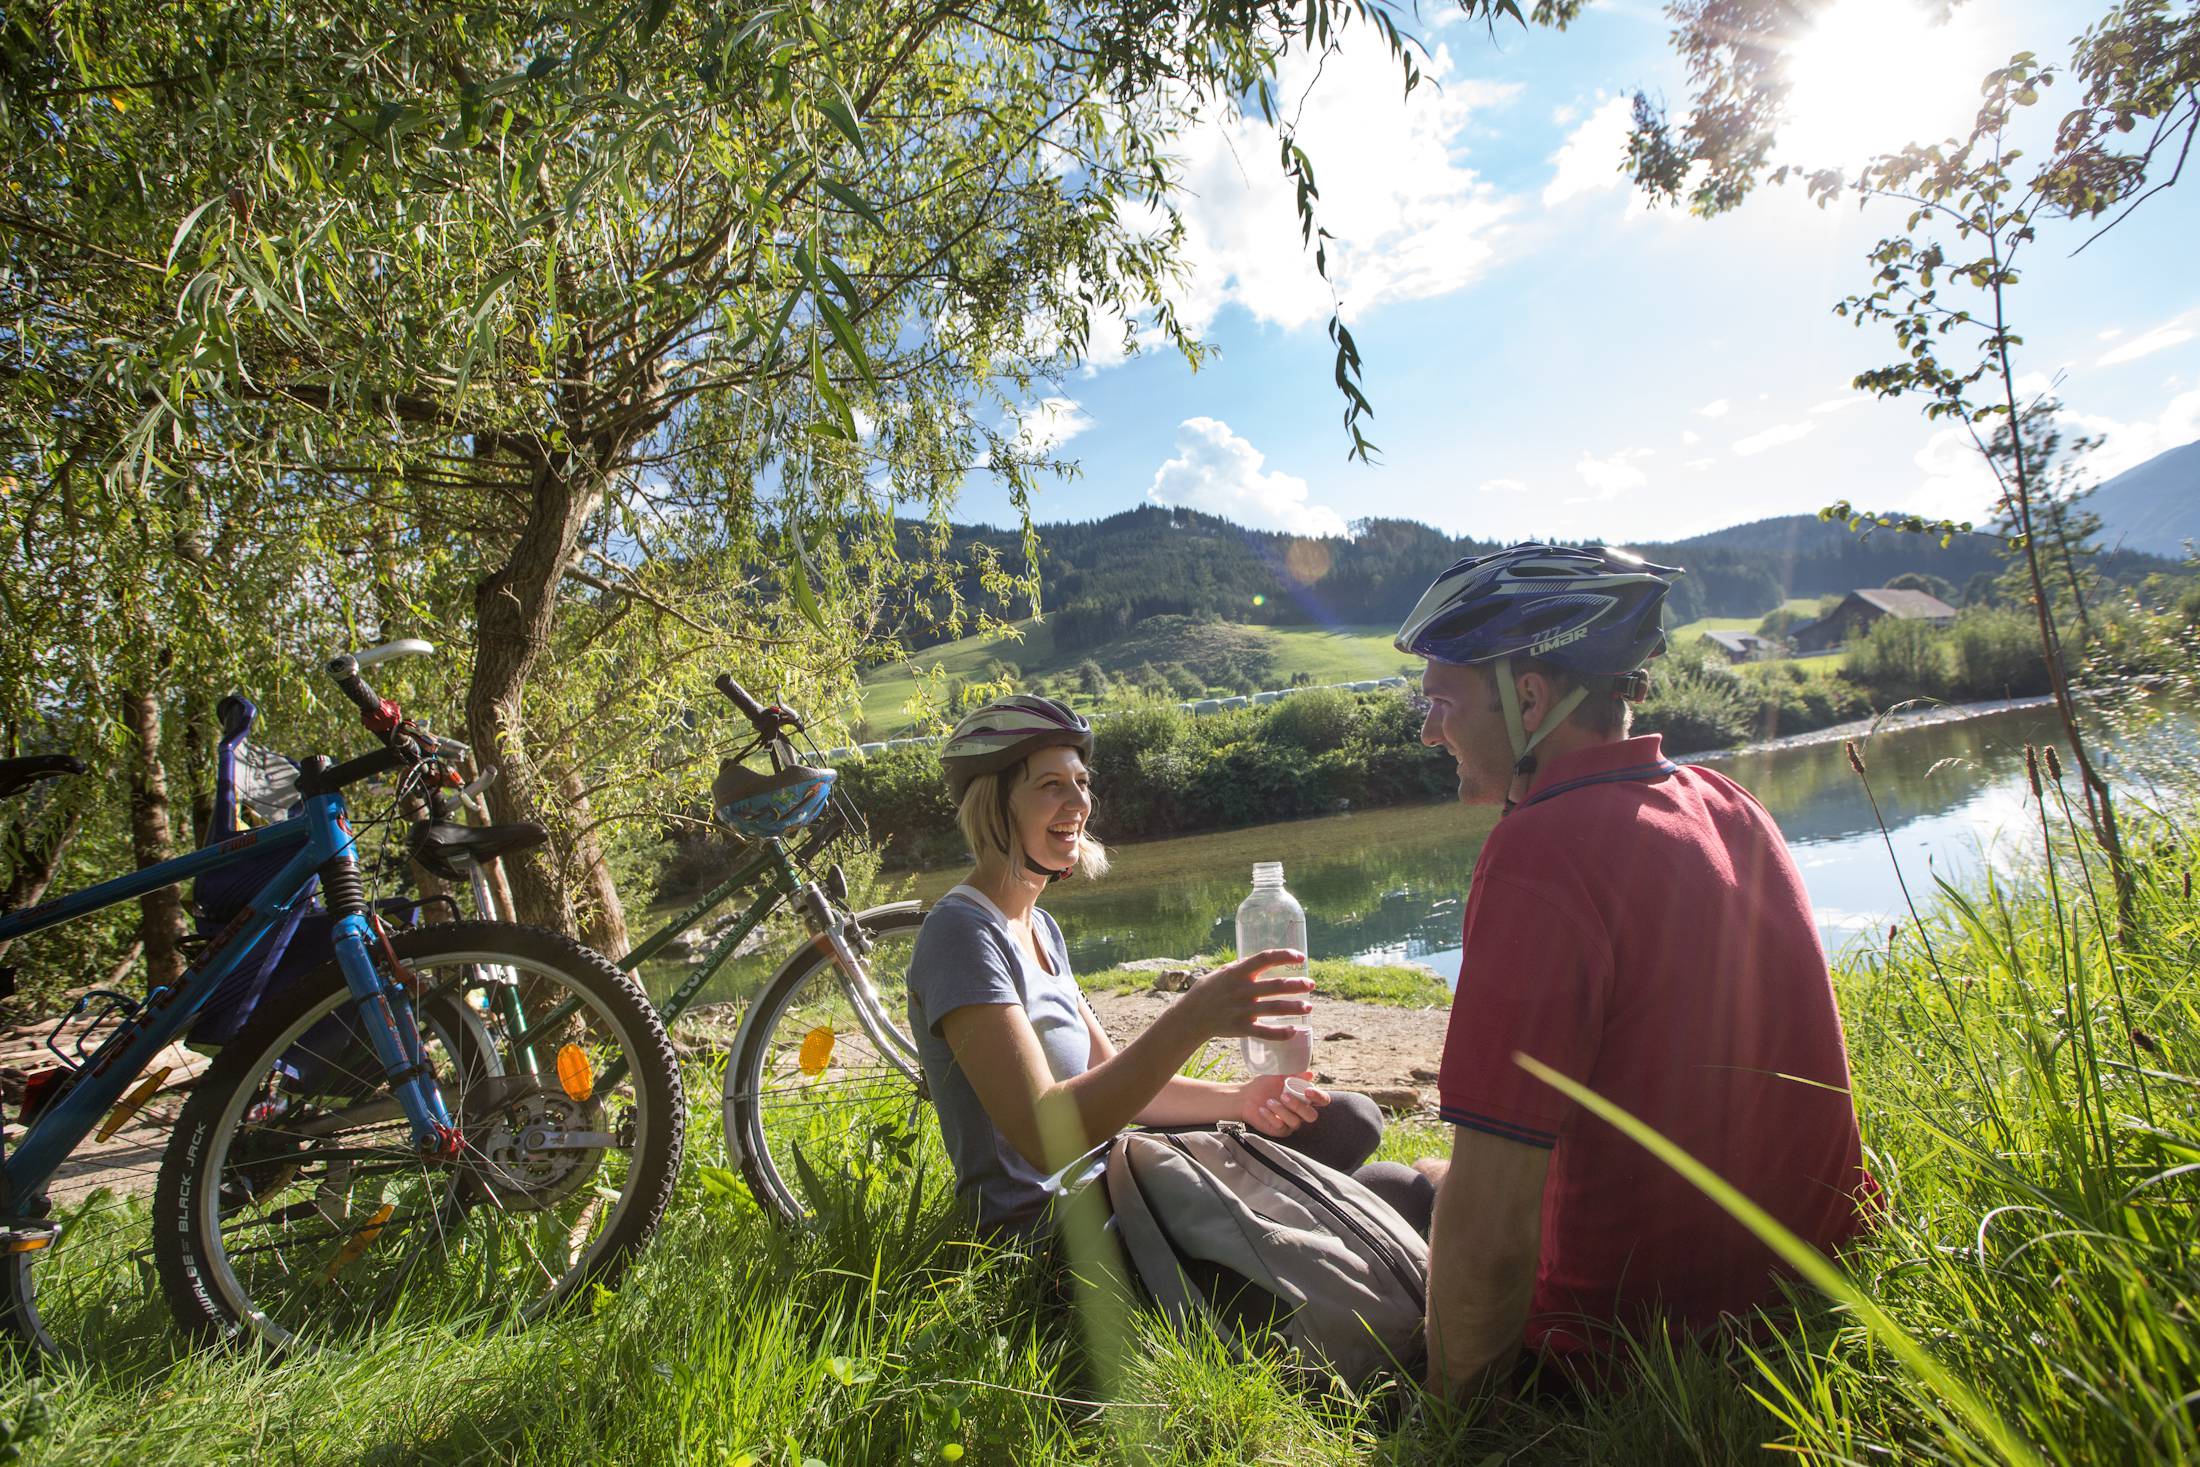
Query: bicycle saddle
point(446, 849)
point(17, 775)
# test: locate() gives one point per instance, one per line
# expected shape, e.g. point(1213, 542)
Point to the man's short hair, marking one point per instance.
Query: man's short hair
point(1604, 712)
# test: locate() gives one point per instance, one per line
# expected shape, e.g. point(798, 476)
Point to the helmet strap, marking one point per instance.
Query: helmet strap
point(1048, 872)
point(1523, 743)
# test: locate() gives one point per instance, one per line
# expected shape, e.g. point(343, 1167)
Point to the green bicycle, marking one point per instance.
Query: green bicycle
point(822, 1078)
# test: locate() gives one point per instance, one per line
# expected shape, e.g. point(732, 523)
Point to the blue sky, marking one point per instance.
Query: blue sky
point(1545, 355)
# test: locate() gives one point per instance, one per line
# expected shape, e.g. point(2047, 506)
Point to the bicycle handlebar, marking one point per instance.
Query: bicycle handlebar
point(739, 697)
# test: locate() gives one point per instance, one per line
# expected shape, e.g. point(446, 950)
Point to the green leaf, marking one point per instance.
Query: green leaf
point(653, 16)
point(853, 201)
point(850, 343)
point(185, 227)
point(843, 118)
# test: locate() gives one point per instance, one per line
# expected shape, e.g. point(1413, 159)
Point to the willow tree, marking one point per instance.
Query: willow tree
point(514, 319)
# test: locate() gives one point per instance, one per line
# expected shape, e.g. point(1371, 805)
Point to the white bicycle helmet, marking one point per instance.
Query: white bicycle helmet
point(1005, 730)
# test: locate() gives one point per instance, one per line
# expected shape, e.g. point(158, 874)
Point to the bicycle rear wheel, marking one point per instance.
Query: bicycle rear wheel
point(811, 1098)
point(293, 1203)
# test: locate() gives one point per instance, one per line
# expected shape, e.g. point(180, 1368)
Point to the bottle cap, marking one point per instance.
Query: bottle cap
point(1268, 873)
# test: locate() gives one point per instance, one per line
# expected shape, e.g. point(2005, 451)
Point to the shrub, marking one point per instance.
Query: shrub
point(1996, 654)
point(1315, 721)
point(1792, 699)
point(1901, 659)
point(1780, 621)
point(1696, 704)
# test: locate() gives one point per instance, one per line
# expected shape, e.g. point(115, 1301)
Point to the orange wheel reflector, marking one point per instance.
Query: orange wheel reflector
point(360, 1241)
point(817, 1051)
point(575, 1073)
point(131, 1104)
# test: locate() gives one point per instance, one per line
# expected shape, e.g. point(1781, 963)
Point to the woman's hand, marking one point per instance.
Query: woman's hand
point(1271, 1107)
point(1232, 1002)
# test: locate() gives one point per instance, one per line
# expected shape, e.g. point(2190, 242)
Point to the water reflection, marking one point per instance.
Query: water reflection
point(1388, 884)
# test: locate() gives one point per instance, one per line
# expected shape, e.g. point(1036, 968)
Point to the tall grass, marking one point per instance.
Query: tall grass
point(2030, 1091)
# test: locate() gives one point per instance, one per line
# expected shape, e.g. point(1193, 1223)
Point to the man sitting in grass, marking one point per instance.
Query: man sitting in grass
point(1638, 927)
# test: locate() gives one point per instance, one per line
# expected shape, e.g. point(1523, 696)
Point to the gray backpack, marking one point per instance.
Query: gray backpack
point(1228, 1226)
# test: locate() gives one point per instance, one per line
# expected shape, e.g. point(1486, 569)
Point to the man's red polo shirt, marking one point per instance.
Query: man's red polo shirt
point(1639, 926)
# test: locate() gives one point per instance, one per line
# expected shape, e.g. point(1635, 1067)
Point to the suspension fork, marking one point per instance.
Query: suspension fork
point(384, 1007)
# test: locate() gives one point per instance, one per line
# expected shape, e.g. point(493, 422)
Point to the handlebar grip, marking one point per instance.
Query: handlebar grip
point(376, 712)
point(739, 697)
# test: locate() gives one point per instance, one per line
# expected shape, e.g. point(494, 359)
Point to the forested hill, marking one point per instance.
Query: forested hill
point(1099, 578)
point(1813, 557)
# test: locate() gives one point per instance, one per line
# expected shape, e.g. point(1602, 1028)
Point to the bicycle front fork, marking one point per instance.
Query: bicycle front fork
point(386, 1012)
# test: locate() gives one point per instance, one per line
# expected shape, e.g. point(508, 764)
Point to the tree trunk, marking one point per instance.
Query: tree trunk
point(515, 611)
point(603, 920)
point(160, 913)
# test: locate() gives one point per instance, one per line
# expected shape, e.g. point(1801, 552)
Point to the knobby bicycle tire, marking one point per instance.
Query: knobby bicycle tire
point(245, 1139)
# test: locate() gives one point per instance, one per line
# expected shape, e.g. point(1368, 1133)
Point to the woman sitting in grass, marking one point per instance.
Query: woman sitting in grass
point(1025, 1080)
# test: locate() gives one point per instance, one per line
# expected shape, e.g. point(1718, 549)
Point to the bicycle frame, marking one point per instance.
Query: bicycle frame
point(320, 836)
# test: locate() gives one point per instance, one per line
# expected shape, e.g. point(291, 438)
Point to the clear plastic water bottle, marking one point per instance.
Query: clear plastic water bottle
point(1272, 917)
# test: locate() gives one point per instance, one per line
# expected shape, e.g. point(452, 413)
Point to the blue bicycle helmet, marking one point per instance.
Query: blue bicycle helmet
point(763, 805)
point(1591, 612)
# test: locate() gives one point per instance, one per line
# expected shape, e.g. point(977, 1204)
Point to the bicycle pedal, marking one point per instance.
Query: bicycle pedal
point(29, 1235)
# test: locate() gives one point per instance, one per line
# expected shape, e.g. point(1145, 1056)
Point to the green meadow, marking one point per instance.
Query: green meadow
point(2026, 1073)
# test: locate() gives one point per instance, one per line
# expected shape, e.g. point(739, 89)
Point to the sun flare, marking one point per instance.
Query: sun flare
point(1870, 76)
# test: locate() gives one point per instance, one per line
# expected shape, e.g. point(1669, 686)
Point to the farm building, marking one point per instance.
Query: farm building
point(1743, 646)
point(1859, 609)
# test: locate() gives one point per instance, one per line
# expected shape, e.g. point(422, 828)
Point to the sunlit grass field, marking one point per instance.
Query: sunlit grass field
point(2027, 1082)
point(1324, 655)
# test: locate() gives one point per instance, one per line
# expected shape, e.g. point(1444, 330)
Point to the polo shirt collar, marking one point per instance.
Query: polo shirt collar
point(1644, 751)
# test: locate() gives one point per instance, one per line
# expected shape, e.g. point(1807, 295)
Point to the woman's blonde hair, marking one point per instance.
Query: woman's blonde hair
point(984, 821)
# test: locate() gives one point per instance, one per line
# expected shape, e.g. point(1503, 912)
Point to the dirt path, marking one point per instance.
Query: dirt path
point(1385, 1052)
point(130, 1159)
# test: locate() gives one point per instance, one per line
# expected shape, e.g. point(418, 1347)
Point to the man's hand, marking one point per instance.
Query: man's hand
point(1268, 1105)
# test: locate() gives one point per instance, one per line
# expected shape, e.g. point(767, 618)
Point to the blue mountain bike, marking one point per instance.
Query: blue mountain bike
point(467, 1120)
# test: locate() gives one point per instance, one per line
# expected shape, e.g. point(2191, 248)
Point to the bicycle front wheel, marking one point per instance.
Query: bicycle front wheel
point(293, 1202)
point(813, 1099)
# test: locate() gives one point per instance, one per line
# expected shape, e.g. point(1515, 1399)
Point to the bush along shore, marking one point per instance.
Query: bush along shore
point(1165, 772)
point(2024, 1070)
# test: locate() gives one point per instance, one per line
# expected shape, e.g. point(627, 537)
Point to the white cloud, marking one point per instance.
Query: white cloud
point(1217, 472)
point(2126, 445)
point(1592, 157)
point(1049, 423)
point(1408, 219)
point(1613, 475)
point(1690, 436)
point(1957, 485)
point(1699, 464)
point(2161, 338)
point(1835, 404)
point(2110, 334)
point(1773, 437)
point(1717, 408)
point(1564, 116)
point(1501, 486)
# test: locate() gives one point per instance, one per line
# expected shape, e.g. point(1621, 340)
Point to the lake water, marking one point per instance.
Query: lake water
point(1387, 885)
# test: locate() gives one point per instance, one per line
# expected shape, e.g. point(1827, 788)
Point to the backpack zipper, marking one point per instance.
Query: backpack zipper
point(1381, 1247)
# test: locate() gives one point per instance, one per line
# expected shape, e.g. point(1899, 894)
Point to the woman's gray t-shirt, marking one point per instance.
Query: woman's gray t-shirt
point(965, 955)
